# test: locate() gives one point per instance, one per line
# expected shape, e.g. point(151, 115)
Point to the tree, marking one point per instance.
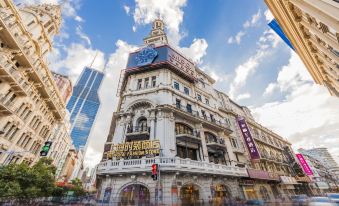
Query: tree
point(78, 189)
point(24, 182)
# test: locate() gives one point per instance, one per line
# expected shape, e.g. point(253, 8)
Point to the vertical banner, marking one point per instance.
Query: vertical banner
point(304, 164)
point(248, 138)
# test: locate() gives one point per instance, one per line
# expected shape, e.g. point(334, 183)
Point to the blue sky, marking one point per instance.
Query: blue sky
point(228, 39)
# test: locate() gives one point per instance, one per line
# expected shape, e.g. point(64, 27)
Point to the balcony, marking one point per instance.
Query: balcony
point(170, 164)
point(6, 107)
point(206, 121)
point(12, 76)
point(193, 137)
point(216, 143)
point(137, 133)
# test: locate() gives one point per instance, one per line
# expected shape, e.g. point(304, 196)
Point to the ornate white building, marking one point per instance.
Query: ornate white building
point(169, 114)
point(32, 110)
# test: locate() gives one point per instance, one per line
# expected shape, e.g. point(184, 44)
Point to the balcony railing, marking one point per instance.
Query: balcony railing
point(193, 136)
point(138, 129)
point(168, 164)
point(196, 114)
point(6, 107)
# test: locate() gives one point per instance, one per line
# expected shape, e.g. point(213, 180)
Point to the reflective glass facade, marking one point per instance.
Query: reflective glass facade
point(84, 104)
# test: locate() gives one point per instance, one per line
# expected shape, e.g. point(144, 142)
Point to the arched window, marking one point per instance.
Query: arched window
point(142, 124)
point(183, 129)
point(210, 137)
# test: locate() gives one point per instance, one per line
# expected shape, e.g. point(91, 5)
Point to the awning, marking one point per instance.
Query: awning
point(288, 180)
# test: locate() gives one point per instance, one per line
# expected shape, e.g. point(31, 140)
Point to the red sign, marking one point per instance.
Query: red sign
point(304, 164)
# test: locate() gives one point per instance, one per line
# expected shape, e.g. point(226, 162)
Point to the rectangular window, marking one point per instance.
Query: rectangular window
point(178, 103)
point(146, 82)
point(203, 114)
point(189, 108)
point(234, 143)
point(139, 84)
point(212, 117)
point(207, 101)
point(154, 81)
point(199, 97)
point(176, 86)
point(187, 91)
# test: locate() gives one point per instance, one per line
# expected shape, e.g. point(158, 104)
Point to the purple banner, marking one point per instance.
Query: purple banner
point(248, 138)
point(304, 164)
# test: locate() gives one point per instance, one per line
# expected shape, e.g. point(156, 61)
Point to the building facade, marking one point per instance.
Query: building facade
point(64, 85)
point(84, 105)
point(323, 180)
point(313, 29)
point(31, 107)
point(169, 114)
point(322, 155)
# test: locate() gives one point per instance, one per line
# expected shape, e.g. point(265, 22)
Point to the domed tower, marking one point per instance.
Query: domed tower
point(42, 22)
point(157, 35)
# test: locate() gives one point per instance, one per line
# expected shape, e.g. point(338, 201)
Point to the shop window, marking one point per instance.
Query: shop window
point(186, 152)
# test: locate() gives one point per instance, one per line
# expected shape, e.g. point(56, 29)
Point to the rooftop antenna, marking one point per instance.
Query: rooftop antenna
point(96, 54)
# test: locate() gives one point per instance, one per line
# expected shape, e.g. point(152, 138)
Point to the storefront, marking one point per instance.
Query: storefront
point(288, 185)
point(248, 189)
point(263, 185)
point(304, 186)
point(135, 194)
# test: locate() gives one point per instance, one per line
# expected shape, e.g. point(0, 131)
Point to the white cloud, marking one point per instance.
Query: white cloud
point(134, 28)
point(82, 35)
point(170, 11)
point(270, 89)
point(266, 42)
point(196, 50)
point(268, 15)
point(79, 19)
point(249, 23)
point(253, 21)
point(117, 61)
point(127, 9)
point(243, 96)
point(291, 76)
point(308, 115)
point(77, 57)
point(237, 38)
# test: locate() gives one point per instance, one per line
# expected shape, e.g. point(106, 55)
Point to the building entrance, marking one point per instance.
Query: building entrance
point(135, 195)
point(189, 195)
point(220, 195)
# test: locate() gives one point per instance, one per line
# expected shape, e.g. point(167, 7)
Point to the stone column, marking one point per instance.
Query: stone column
point(165, 133)
point(229, 148)
point(203, 142)
point(152, 125)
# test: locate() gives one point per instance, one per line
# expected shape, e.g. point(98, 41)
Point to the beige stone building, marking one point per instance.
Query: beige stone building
point(168, 103)
point(312, 26)
point(32, 110)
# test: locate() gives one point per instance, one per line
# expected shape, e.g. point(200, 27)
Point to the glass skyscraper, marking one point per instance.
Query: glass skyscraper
point(84, 104)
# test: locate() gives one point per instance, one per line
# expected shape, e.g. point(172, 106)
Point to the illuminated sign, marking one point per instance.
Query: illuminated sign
point(135, 148)
point(254, 153)
point(304, 164)
point(146, 56)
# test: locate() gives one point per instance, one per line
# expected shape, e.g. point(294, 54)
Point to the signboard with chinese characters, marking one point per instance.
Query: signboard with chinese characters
point(254, 153)
point(181, 63)
point(304, 164)
point(135, 148)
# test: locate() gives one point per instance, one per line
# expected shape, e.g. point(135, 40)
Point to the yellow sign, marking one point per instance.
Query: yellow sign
point(135, 148)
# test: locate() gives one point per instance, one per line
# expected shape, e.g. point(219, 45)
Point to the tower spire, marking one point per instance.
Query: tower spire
point(157, 35)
